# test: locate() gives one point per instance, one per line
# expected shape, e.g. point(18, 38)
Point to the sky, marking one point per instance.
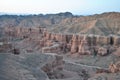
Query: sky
point(77, 7)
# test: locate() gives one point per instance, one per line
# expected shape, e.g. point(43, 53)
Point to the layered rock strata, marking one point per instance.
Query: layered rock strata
point(85, 43)
point(73, 43)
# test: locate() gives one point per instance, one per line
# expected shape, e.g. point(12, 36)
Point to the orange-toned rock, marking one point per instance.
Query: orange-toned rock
point(47, 36)
point(82, 44)
point(74, 45)
point(83, 47)
point(113, 68)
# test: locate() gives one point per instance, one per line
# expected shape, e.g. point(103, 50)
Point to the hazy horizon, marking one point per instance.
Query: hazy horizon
point(81, 7)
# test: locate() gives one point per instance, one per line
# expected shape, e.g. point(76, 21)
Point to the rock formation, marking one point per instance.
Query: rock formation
point(83, 47)
point(56, 42)
point(74, 44)
point(55, 48)
point(102, 51)
point(115, 67)
point(43, 39)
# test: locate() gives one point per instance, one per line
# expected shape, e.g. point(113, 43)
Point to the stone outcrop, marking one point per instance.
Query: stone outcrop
point(56, 42)
point(83, 47)
point(74, 44)
point(102, 51)
point(54, 48)
point(20, 32)
point(115, 67)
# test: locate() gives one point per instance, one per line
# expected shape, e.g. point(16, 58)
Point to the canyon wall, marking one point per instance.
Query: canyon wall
point(73, 43)
point(85, 44)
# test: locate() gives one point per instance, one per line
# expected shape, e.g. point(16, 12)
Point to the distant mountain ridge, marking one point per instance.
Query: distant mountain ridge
point(47, 20)
point(99, 24)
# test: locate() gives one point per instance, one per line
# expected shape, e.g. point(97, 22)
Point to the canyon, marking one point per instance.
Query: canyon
point(51, 51)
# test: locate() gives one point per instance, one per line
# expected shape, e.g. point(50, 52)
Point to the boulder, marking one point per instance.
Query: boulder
point(113, 68)
point(102, 51)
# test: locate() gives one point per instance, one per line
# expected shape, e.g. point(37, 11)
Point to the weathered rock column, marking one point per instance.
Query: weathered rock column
point(74, 46)
point(83, 47)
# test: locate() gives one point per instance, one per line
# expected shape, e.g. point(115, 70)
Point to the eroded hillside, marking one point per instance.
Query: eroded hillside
point(101, 24)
